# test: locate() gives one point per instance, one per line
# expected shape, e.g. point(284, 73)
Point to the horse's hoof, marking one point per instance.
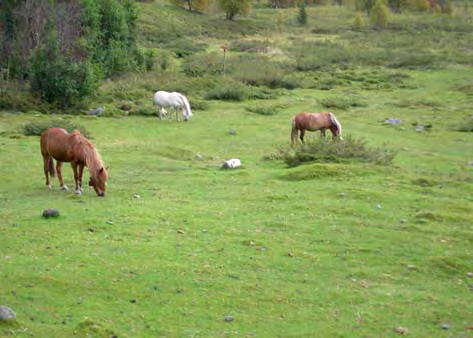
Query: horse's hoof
point(49, 187)
point(78, 192)
point(64, 187)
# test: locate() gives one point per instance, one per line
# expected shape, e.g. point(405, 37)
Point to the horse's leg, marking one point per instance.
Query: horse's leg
point(62, 186)
point(81, 172)
point(301, 136)
point(322, 133)
point(76, 170)
point(46, 162)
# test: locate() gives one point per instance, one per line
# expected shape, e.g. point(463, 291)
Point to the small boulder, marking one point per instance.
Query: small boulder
point(50, 213)
point(230, 164)
point(6, 313)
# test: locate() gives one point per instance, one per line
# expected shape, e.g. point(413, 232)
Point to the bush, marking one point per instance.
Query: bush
point(348, 150)
point(229, 92)
point(202, 64)
point(466, 126)
point(36, 127)
point(339, 102)
point(272, 109)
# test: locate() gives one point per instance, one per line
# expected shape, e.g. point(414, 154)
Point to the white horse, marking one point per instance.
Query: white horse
point(173, 100)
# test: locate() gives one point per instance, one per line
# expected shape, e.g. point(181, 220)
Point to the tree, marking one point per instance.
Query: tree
point(358, 21)
point(193, 5)
point(57, 78)
point(379, 15)
point(365, 5)
point(62, 46)
point(302, 14)
point(234, 7)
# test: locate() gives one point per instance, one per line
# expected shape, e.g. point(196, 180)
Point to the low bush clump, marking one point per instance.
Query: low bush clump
point(228, 92)
point(466, 125)
point(348, 150)
point(36, 127)
point(271, 109)
point(340, 102)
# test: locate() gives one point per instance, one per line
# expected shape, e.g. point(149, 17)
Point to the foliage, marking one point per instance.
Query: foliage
point(341, 102)
point(379, 15)
point(234, 7)
point(302, 13)
point(466, 125)
point(66, 47)
point(228, 91)
point(57, 79)
point(36, 127)
point(265, 109)
point(348, 150)
point(193, 5)
point(202, 64)
point(259, 71)
point(358, 22)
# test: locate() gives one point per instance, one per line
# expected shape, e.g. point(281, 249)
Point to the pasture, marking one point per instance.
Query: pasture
point(180, 248)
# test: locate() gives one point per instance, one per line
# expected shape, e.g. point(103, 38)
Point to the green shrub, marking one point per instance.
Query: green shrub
point(144, 111)
point(199, 105)
point(36, 127)
point(260, 109)
point(323, 151)
point(466, 125)
point(202, 64)
point(260, 71)
point(263, 93)
point(228, 92)
point(341, 102)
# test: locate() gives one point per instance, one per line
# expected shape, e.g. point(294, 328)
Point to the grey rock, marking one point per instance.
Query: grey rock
point(6, 313)
point(50, 213)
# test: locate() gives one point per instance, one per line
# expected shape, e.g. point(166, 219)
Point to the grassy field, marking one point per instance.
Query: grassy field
point(180, 248)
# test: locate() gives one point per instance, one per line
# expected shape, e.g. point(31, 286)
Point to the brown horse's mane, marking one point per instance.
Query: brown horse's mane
point(90, 154)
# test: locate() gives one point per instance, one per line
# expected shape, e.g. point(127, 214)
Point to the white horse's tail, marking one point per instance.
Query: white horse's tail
point(339, 126)
point(187, 106)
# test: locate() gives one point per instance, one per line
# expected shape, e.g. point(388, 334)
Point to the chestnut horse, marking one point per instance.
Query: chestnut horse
point(313, 122)
point(58, 144)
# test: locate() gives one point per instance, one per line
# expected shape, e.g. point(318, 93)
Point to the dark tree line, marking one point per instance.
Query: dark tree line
point(63, 48)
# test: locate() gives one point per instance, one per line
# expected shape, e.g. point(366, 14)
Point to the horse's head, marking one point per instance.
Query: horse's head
point(98, 180)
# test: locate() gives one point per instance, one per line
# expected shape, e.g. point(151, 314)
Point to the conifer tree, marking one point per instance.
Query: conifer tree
point(379, 15)
point(302, 14)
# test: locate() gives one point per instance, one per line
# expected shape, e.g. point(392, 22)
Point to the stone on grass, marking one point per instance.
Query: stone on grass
point(6, 313)
point(50, 213)
point(231, 164)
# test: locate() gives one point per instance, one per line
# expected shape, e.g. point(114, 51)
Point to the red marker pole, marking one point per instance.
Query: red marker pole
point(224, 48)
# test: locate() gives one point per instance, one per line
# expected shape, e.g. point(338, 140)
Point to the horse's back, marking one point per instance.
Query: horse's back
point(311, 121)
point(56, 142)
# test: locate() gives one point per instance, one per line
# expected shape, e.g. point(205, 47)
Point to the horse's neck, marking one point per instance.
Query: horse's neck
point(89, 155)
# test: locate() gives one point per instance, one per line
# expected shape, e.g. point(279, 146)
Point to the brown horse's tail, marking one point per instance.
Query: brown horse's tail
point(337, 125)
point(51, 168)
point(293, 131)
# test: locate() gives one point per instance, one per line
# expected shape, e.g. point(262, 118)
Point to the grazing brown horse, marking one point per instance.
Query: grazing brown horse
point(313, 122)
point(58, 144)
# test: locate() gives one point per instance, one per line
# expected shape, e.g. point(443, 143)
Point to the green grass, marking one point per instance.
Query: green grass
point(356, 251)
point(319, 250)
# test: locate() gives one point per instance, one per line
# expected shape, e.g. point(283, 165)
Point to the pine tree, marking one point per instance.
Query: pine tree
point(379, 15)
point(302, 14)
point(358, 22)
